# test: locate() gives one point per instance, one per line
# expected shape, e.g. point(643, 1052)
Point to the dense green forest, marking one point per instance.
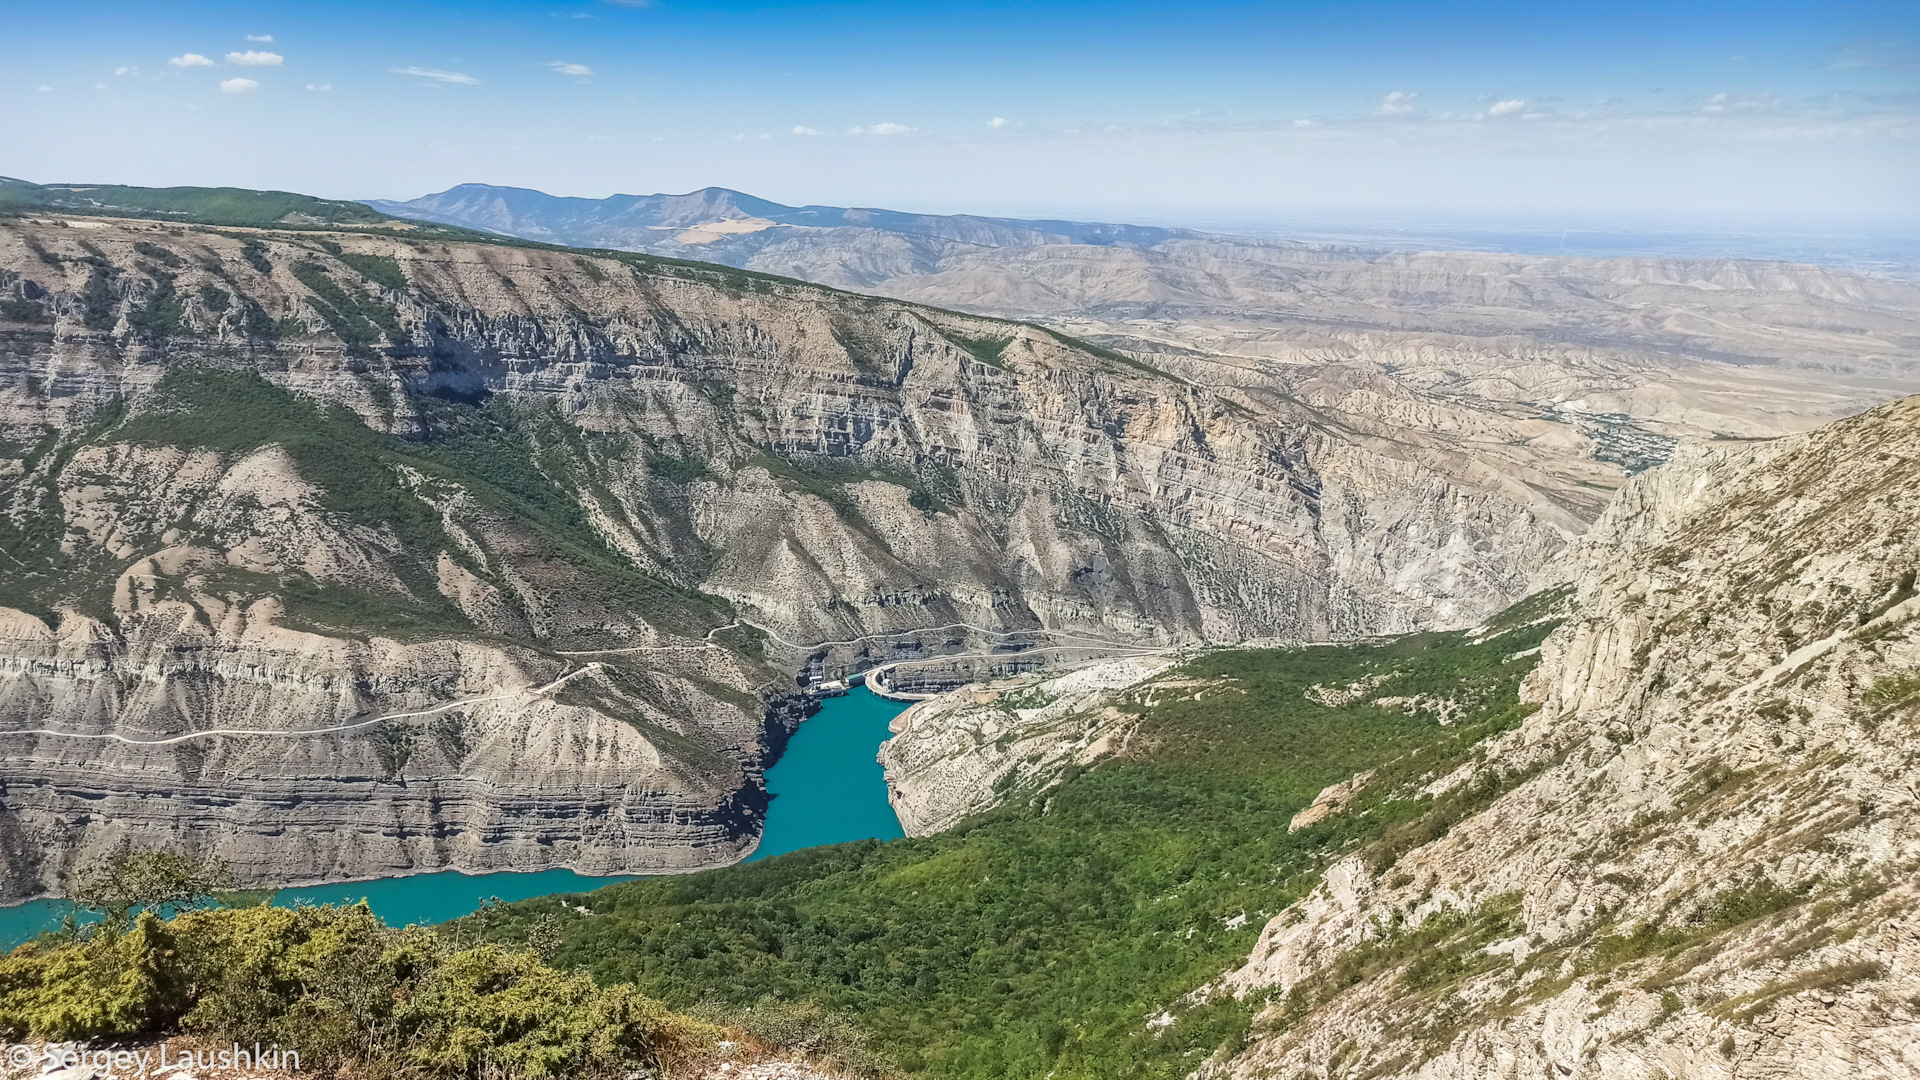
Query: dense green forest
point(201, 205)
point(1039, 939)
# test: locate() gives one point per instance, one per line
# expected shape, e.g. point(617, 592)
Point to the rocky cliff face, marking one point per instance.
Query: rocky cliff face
point(1703, 863)
point(542, 535)
point(1579, 363)
point(968, 751)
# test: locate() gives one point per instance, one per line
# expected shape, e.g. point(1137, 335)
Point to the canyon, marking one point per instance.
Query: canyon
point(344, 552)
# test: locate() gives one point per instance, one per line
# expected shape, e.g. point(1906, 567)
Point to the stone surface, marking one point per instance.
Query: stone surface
point(858, 479)
point(1723, 755)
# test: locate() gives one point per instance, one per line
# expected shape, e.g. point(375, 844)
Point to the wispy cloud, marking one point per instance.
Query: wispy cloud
point(1725, 103)
point(802, 129)
point(190, 60)
point(238, 86)
point(320, 86)
point(998, 122)
point(1398, 103)
point(43, 88)
point(264, 39)
point(565, 68)
point(255, 59)
point(127, 70)
point(1876, 54)
point(437, 75)
point(883, 129)
point(1509, 107)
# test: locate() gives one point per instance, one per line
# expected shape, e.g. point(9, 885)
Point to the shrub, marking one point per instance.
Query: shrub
point(345, 990)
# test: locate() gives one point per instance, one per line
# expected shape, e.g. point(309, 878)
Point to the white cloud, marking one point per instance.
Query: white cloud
point(802, 129)
point(998, 122)
point(238, 86)
point(437, 75)
point(1303, 123)
point(43, 88)
point(192, 59)
point(134, 71)
point(264, 39)
point(565, 68)
point(255, 59)
point(599, 138)
point(883, 129)
point(1726, 103)
point(1509, 107)
point(99, 86)
point(320, 86)
point(1398, 103)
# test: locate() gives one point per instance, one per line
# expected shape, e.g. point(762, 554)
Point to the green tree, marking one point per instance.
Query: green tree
point(133, 880)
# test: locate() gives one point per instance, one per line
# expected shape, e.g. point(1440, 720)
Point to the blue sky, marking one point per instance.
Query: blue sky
point(1669, 110)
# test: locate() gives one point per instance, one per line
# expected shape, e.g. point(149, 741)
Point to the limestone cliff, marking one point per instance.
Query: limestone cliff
point(964, 752)
point(1704, 860)
point(351, 552)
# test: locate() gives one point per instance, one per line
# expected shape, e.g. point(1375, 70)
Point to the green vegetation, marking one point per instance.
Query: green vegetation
point(1038, 939)
point(354, 317)
point(164, 315)
point(1111, 356)
point(500, 455)
point(348, 992)
point(157, 881)
point(938, 490)
point(987, 350)
point(206, 206)
point(1733, 906)
point(493, 452)
point(14, 309)
point(159, 254)
point(255, 253)
point(380, 269)
point(99, 307)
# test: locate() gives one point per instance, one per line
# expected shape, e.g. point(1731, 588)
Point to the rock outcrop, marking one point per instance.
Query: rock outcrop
point(1542, 363)
point(257, 484)
point(971, 750)
point(1704, 862)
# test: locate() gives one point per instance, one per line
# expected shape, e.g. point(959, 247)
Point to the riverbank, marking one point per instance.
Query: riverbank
point(826, 787)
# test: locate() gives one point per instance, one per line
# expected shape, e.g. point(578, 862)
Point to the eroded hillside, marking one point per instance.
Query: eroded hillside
point(1705, 863)
point(373, 553)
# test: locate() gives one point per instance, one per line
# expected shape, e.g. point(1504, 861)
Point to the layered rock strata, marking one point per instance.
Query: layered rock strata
point(1706, 861)
point(257, 484)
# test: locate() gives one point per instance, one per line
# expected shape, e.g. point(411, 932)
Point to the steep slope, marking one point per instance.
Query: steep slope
point(1577, 362)
point(1705, 861)
point(573, 520)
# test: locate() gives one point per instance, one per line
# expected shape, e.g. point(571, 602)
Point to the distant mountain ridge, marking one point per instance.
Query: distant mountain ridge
point(639, 221)
point(199, 205)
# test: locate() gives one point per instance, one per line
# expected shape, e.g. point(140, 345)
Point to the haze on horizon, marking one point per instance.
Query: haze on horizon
point(1785, 112)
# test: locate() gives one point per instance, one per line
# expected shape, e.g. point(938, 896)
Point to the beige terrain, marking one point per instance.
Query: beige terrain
point(1708, 865)
point(1703, 858)
point(344, 554)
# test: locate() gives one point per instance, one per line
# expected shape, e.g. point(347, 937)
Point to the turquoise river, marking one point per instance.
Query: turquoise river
point(826, 788)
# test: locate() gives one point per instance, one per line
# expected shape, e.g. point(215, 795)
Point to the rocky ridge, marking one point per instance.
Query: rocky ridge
point(1584, 361)
point(544, 536)
point(1704, 859)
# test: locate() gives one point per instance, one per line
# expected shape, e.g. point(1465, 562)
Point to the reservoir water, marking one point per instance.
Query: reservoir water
point(827, 788)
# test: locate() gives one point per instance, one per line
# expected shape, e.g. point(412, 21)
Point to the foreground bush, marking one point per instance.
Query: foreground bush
point(347, 992)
